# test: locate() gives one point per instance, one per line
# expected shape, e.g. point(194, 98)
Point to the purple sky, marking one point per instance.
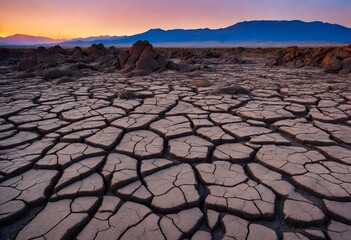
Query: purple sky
point(82, 18)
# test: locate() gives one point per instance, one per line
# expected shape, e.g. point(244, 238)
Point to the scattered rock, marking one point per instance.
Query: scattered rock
point(97, 49)
point(79, 66)
point(56, 50)
point(127, 94)
point(331, 64)
point(346, 65)
point(58, 73)
point(27, 65)
point(201, 83)
point(184, 68)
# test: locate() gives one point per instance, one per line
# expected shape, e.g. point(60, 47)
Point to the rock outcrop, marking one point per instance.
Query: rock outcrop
point(141, 59)
point(97, 49)
point(330, 59)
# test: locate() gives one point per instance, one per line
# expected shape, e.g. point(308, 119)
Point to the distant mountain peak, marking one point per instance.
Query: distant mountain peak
point(18, 35)
point(242, 33)
point(155, 30)
point(23, 40)
point(282, 22)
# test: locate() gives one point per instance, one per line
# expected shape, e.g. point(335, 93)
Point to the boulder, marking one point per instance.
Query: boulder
point(122, 60)
point(346, 64)
point(127, 94)
point(201, 83)
point(56, 50)
point(183, 67)
point(79, 66)
point(40, 49)
point(231, 90)
point(291, 53)
point(331, 64)
point(58, 73)
point(77, 52)
point(113, 51)
point(28, 65)
point(46, 61)
point(172, 66)
point(97, 50)
point(141, 59)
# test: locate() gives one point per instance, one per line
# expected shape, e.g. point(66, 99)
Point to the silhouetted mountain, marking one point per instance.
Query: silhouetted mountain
point(245, 33)
point(88, 40)
point(253, 31)
point(249, 33)
point(22, 40)
point(91, 38)
point(282, 31)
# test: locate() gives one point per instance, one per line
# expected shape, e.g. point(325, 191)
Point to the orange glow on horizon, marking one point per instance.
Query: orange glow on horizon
point(83, 18)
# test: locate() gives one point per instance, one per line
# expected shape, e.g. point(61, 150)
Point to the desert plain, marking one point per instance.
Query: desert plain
point(167, 143)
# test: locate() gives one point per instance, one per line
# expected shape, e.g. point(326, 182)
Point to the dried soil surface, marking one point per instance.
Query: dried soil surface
point(235, 149)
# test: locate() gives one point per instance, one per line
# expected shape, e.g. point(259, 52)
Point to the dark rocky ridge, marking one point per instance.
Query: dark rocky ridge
point(55, 62)
point(330, 59)
point(142, 59)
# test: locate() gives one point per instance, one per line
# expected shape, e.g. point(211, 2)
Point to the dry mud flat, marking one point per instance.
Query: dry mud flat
point(187, 157)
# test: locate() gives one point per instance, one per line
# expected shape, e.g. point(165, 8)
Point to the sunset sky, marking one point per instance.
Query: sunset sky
point(64, 19)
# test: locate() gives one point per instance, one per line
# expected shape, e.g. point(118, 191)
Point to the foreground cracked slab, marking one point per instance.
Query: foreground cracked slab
point(327, 179)
point(297, 210)
point(287, 159)
point(18, 139)
point(259, 153)
point(250, 200)
point(189, 149)
point(54, 220)
point(21, 158)
point(106, 138)
point(307, 133)
point(265, 111)
point(221, 173)
point(64, 154)
point(243, 131)
point(172, 127)
point(141, 144)
point(234, 152)
point(173, 188)
point(238, 228)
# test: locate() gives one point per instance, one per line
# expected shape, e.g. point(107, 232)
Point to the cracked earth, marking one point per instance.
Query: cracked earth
point(178, 161)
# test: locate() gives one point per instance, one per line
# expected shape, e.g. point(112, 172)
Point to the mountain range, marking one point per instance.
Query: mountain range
point(22, 39)
point(248, 33)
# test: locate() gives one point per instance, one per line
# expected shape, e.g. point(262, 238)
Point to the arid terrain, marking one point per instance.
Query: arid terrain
point(108, 143)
